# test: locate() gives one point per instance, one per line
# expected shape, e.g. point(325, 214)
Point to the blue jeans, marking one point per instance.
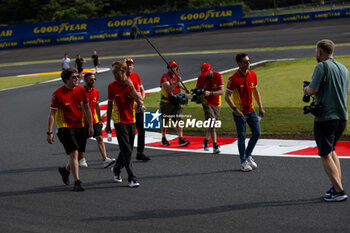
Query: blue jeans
point(253, 121)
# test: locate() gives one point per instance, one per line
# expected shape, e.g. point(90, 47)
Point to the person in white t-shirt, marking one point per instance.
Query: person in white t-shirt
point(66, 63)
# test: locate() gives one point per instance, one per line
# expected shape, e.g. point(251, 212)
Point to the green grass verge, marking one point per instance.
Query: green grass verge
point(280, 85)
point(14, 81)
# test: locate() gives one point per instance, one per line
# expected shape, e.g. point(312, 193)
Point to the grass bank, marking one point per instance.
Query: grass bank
point(280, 85)
point(15, 81)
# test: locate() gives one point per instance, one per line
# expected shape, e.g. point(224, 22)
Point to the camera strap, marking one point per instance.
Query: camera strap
point(171, 83)
point(324, 78)
point(210, 79)
point(203, 82)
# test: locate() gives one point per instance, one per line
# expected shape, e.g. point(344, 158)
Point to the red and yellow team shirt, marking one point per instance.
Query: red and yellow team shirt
point(242, 87)
point(93, 97)
point(164, 96)
point(135, 78)
point(124, 104)
point(211, 84)
point(69, 106)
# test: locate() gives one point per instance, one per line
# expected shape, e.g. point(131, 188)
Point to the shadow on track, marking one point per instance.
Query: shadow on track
point(173, 213)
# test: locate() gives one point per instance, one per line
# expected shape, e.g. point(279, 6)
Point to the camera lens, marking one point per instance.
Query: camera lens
point(306, 98)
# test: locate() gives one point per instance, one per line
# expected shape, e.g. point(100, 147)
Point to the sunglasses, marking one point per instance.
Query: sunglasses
point(92, 79)
point(75, 76)
point(246, 62)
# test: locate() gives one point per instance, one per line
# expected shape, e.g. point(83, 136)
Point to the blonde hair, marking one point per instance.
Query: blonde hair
point(326, 45)
point(119, 65)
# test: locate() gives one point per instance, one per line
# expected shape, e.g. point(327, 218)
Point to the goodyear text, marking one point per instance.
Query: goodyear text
point(64, 27)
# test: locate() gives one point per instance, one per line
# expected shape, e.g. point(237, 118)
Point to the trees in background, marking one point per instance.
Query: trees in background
point(31, 11)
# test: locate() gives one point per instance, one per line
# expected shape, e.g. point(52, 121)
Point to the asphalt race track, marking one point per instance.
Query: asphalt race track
point(180, 191)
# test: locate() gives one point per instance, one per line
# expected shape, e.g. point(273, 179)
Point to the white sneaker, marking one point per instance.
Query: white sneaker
point(108, 162)
point(246, 167)
point(216, 149)
point(134, 184)
point(117, 178)
point(251, 162)
point(83, 163)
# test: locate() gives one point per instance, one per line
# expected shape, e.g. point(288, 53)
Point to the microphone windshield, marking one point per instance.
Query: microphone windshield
point(133, 32)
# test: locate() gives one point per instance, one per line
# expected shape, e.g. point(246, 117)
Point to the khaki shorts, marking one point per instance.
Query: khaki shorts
point(211, 112)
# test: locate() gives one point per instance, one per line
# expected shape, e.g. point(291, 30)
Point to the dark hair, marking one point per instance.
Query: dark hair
point(66, 74)
point(88, 75)
point(240, 56)
point(326, 45)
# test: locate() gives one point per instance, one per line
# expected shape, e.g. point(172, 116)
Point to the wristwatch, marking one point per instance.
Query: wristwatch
point(234, 109)
point(48, 133)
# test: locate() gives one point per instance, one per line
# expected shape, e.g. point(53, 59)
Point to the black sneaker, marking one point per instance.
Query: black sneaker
point(329, 192)
point(65, 175)
point(183, 142)
point(216, 149)
point(142, 156)
point(77, 186)
point(165, 142)
point(205, 145)
point(341, 196)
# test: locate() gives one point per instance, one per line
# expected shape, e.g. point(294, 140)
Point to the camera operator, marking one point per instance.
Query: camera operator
point(213, 84)
point(170, 85)
point(243, 85)
point(331, 91)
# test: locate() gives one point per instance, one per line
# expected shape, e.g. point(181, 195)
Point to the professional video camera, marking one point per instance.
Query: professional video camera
point(197, 95)
point(178, 99)
point(315, 108)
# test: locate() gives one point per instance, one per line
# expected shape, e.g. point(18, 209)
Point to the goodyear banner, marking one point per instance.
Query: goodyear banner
point(289, 18)
point(113, 28)
point(165, 23)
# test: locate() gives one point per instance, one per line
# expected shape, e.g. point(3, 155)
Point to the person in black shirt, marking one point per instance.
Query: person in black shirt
point(79, 66)
point(95, 60)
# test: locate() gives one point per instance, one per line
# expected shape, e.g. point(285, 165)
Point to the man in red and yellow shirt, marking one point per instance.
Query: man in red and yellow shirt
point(135, 78)
point(213, 83)
point(243, 86)
point(170, 85)
point(123, 95)
point(67, 106)
point(93, 96)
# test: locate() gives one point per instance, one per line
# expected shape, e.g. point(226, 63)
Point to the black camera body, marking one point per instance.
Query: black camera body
point(197, 95)
point(314, 108)
point(178, 99)
point(306, 98)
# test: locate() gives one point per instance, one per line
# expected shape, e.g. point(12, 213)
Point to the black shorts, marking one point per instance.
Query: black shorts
point(327, 134)
point(72, 139)
point(97, 130)
point(80, 69)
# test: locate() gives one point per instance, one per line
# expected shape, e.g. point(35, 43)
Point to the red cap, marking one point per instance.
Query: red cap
point(172, 63)
point(205, 69)
point(128, 60)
